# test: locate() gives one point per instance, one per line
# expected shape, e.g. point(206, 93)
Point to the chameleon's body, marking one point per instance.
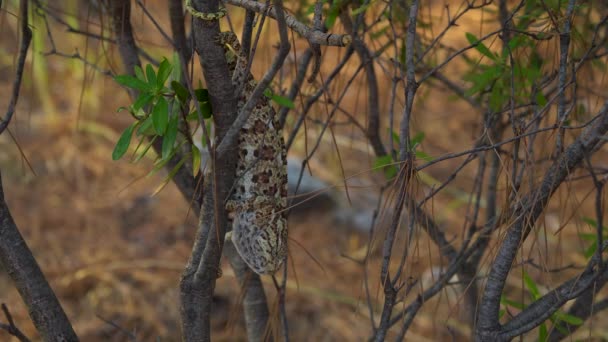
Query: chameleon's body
point(259, 198)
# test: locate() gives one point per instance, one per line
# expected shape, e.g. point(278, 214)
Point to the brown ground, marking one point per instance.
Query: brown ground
point(114, 254)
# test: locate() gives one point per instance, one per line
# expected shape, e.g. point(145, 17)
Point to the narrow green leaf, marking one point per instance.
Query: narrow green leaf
point(132, 82)
point(590, 251)
point(394, 135)
point(160, 116)
point(123, 142)
point(169, 176)
point(480, 46)
point(139, 73)
point(531, 286)
point(508, 302)
point(146, 149)
point(568, 318)
point(382, 161)
point(146, 128)
point(205, 111)
point(381, 32)
point(196, 160)
point(142, 101)
point(164, 71)
point(176, 72)
point(283, 101)
point(180, 91)
point(588, 236)
point(423, 156)
point(390, 171)
point(151, 75)
point(202, 95)
point(169, 137)
point(417, 139)
point(543, 333)
point(385, 162)
point(590, 221)
point(541, 99)
point(332, 14)
point(361, 9)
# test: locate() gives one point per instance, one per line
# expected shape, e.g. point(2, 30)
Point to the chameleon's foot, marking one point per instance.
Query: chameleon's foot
point(226, 38)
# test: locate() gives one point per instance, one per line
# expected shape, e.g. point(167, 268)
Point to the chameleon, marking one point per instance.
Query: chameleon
point(257, 204)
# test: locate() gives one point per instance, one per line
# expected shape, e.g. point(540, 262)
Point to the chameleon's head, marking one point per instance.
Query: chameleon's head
point(260, 238)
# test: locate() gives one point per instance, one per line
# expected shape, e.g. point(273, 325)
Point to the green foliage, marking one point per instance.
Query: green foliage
point(389, 165)
point(592, 237)
point(123, 142)
point(280, 100)
point(161, 100)
point(556, 318)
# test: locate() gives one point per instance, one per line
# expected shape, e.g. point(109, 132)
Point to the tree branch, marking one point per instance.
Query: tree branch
point(312, 35)
point(17, 259)
point(526, 212)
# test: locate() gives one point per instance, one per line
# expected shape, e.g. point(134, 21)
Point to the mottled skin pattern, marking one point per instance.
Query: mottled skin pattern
point(259, 198)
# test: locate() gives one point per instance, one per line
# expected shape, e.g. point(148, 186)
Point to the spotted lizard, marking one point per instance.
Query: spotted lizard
point(259, 198)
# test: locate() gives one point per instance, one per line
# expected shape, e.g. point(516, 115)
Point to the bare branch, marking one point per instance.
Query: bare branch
point(526, 212)
point(312, 35)
point(11, 328)
point(17, 259)
point(26, 38)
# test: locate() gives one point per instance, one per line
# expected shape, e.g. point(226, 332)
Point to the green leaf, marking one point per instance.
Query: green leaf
point(508, 302)
point(139, 73)
point(180, 91)
point(480, 46)
point(160, 116)
point(590, 251)
point(282, 101)
point(423, 156)
point(543, 333)
point(132, 82)
point(205, 111)
point(202, 95)
point(385, 162)
point(394, 135)
point(531, 286)
point(568, 318)
point(379, 33)
point(417, 139)
point(541, 99)
point(208, 124)
point(146, 128)
point(332, 14)
point(497, 98)
point(382, 161)
point(484, 79)
point(151, 75)
point(169, 176)
point(169, 138)
point(196, 160)
point(361, 9)
point(164, 71)
point(501, 313)
point(123, 142)
point(590, 221)
point(146, 149)
point(142, 101)
point(176, 72)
